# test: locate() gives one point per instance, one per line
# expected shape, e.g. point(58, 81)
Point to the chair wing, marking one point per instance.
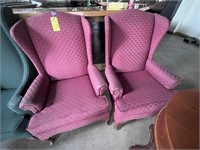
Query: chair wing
point(161, 25)
point(31, 101)
point(68, 91)
point(98, 82)
point(140, 86)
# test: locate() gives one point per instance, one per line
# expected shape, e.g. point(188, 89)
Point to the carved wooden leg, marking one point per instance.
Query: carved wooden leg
point(51, 140)
point(150, 145)
point(118, 126)
point(107, 122)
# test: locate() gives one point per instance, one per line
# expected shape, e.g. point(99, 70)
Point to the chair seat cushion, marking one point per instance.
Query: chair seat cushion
point(69, 101)
point(142, 93)
point(10, 121)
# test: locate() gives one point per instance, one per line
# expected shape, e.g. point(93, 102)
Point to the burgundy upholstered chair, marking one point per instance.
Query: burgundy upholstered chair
point(68, 91)
point(140, 87)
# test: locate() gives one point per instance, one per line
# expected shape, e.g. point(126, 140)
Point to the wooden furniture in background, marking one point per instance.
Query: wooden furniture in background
point(177, 124)
point(29, 12)
point(94, 16)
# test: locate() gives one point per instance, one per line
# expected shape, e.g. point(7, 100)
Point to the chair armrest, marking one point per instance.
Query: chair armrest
point(162, 75)
point(29, 75)
point(36, 95)
point(13, 105)
point(98, 82)
point(115, 85)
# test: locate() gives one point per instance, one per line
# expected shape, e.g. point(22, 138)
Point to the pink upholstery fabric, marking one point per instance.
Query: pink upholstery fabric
point(69, 102)
point(98, 82)
point(31, 101)
point(88, 38)
point(115, 86)
point(162, 75)
point(62, 95)
point(107, 39)
point(73, 125)
point(50, 45)
point(142, 86)
point(131, 33)
point(161, 25)
point(143, 96)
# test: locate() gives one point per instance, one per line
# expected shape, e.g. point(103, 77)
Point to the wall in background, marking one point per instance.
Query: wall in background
point(187, 18)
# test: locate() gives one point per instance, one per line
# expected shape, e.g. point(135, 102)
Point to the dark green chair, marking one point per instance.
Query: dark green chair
point(17, 73)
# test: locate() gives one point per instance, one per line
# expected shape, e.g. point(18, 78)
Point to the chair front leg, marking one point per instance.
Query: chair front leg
point(118, 126)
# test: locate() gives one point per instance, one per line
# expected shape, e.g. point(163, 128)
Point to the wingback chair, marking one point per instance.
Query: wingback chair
point(16, 75)
point(140, 87)
point(68, 91)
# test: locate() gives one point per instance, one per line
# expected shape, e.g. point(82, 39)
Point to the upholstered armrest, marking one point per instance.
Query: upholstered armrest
point(162, 75)
point(115, 86)
point(13, 104)
point(36, 95)
point(98, 82)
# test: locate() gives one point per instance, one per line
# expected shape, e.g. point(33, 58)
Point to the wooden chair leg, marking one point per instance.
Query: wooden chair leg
point(107, 122)
point(118, 126)
point(150, 145)
point(51, 140)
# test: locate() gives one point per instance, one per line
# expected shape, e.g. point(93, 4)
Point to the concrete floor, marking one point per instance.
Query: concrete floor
point(179, 57)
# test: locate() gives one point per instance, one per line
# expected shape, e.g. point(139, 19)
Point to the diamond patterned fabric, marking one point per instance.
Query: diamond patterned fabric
point(69, 101)
point(144, 87)
point(115, 88)
point(63, 54)
point(160, 28)
point(130, 39)
point(141, 90)
point(62, 95)
point(31, 101)
point(98, 82)
point(88, 38)
point(162, 75)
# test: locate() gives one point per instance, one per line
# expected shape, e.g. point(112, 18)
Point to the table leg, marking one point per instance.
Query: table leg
point(150, 145)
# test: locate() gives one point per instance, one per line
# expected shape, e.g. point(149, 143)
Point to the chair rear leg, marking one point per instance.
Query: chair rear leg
point(51, 140)
point(118, 126)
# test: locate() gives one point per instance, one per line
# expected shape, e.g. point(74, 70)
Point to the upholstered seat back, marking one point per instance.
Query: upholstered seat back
point(62, 53)
point(11, 64)
point(130, 36)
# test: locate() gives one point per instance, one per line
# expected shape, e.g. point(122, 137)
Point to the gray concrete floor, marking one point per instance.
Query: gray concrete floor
point(179, 57)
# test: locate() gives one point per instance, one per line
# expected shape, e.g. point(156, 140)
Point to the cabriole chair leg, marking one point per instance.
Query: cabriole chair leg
point(118, 126)
point(108, 122)
point(51, 140)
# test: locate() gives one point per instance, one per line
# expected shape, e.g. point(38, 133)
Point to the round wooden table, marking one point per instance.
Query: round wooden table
point(177, 124)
